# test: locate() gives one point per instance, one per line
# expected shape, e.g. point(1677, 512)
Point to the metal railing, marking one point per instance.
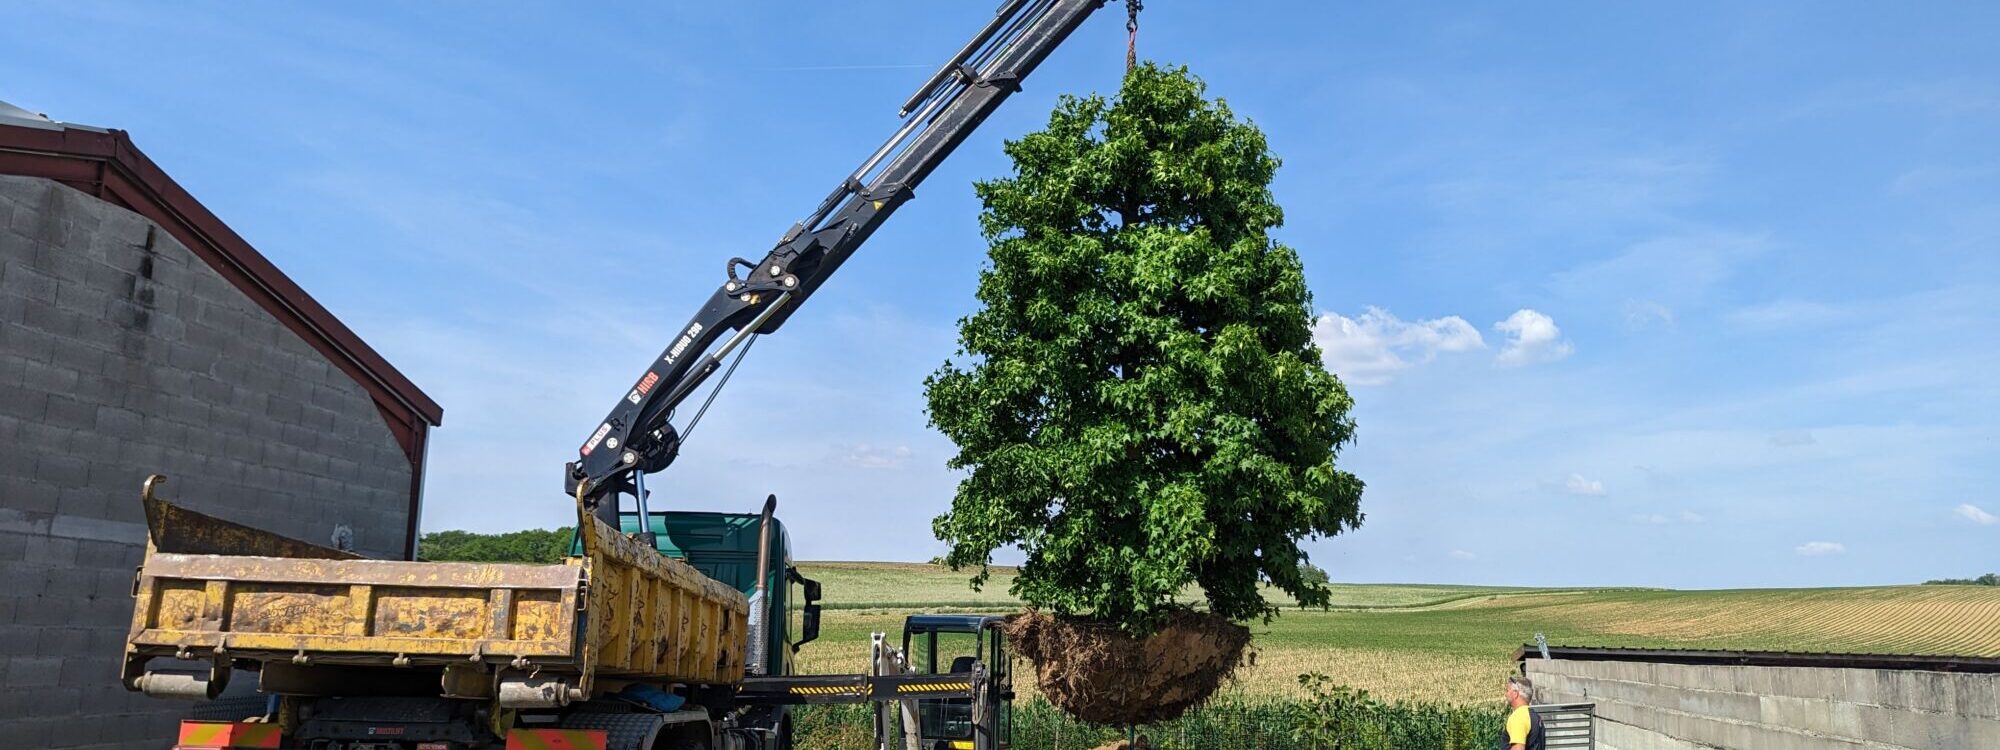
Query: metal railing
point(1568, 726)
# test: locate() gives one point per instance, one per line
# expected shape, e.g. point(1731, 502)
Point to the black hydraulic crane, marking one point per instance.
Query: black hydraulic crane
point(637, 437)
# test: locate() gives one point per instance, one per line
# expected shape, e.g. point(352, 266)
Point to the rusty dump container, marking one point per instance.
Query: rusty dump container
point(315, 620)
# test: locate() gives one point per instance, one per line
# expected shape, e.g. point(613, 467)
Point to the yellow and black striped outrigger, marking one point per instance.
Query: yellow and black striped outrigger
point(856, 688)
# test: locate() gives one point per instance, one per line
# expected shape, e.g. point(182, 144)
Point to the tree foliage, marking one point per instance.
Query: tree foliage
point(529, 546)
point(1989, 579)
point(1139, 404)
point(1314, 574)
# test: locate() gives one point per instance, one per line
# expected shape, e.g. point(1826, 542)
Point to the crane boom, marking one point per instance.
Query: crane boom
point(637, 437)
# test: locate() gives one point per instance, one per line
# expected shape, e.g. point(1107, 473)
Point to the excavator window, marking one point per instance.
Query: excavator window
point(945, 644)
point(939, 653)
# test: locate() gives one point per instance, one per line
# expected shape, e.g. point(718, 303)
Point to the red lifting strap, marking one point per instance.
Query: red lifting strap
point(1132, 8)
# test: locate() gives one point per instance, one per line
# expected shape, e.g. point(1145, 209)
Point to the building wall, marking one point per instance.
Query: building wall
point(122, 354)
point(1657, 706)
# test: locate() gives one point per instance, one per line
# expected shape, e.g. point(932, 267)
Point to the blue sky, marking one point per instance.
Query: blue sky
point(1683, 295)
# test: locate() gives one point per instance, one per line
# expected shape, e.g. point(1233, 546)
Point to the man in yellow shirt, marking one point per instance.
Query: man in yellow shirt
point(1524, 728)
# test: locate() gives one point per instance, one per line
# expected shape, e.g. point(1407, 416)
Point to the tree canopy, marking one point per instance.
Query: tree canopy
point(529, 546)
point(1989, 579)
point(1138, 402)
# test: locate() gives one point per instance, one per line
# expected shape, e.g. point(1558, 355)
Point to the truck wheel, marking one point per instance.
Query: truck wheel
point(689, 743)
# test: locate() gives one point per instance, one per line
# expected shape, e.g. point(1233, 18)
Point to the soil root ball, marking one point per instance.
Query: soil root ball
point(1098, 673)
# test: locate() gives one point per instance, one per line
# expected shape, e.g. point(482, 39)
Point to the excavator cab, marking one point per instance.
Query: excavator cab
point(952, 644)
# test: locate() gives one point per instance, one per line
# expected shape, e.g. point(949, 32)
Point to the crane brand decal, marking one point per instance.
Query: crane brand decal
point(645, 386)
point(596, 437)
point(694, 329)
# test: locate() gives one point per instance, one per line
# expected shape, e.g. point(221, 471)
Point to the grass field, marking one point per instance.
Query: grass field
point(1454, 643)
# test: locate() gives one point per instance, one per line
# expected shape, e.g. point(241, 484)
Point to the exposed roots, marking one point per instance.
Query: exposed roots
point(1097, 673)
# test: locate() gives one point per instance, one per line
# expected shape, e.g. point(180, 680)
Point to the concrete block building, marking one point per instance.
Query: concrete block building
point(1662, 699)
point(139, 335)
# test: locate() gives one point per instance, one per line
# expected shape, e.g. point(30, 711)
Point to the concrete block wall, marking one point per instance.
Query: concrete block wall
point(123, 354)
point(1659, 706)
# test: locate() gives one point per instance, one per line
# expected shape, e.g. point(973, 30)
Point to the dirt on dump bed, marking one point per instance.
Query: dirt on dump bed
point(1098, 673)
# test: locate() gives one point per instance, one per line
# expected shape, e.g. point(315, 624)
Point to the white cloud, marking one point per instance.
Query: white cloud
point(1459, 554)
point(1654, 519)
point(1578, 485)
point(865, 456)
point(1688, 516)
point(1975, 514)
point(1531, 337)
point(1817, 549)
point(1370, 349)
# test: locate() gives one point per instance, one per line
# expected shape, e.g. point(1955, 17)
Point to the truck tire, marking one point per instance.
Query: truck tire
point(686, 743)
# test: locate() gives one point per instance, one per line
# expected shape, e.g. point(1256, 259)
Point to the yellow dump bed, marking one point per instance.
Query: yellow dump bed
point(220, 592)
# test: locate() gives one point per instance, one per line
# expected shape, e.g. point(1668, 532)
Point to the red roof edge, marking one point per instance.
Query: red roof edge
point(106, 164)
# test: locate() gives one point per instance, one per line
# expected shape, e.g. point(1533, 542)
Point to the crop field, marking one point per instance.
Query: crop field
point(1455, 643)
point(874, 585)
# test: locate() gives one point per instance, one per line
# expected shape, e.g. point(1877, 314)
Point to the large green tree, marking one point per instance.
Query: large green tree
point(1139, 404)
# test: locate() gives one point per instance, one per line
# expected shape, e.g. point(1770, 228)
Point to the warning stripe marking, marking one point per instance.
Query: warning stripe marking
point(935, 688)
point(865, 690)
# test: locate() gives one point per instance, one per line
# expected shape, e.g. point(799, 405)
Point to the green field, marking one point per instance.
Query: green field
point(1455, 643)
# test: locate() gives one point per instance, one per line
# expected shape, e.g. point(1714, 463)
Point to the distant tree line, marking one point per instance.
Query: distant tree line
point(530, 546)
point(1990, 579)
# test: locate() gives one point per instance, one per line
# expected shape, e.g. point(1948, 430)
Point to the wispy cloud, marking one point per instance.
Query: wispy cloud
point(1459, 554)
point(1793, 438)
point(1578, 485)
point(865, 456)
point(1682, 268)
point(1820, 549)
point(1662, 519)
point(1645, 313)
point(1785, 314)
point(1372, 348)
point(1532, 337)
point(1976, 514)
point(1923, 180)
